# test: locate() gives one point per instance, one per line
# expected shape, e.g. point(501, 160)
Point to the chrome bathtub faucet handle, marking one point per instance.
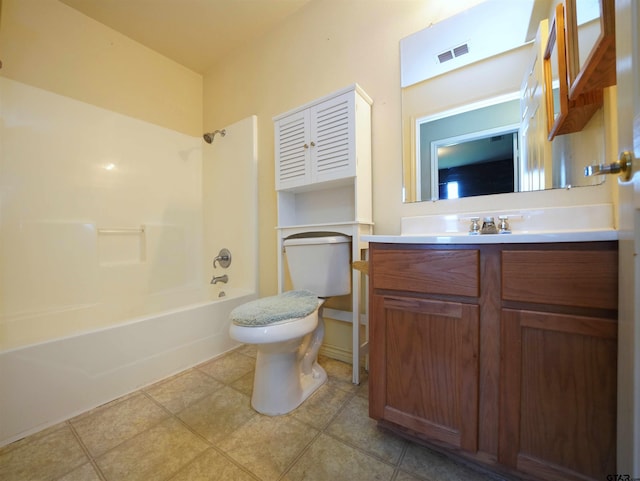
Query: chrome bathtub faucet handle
point(224, 257)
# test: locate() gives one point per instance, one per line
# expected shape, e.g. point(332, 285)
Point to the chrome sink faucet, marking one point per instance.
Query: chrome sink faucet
point(489, 225)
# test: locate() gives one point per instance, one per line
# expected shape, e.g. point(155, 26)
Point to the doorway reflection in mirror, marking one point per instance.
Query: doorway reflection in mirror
point(476, 148)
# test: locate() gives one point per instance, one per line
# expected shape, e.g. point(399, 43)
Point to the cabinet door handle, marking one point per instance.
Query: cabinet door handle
point(306, 146)
point(313, 144)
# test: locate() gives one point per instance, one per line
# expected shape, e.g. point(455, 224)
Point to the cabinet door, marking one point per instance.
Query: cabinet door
point(424, 360)
point(558, 398)
point(293, 168)
point(332, 141)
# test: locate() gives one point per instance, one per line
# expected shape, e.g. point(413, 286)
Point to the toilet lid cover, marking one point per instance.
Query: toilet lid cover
point(275, 309)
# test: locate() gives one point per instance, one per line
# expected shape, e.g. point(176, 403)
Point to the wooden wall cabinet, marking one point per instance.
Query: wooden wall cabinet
point(591, 62)
point(502, 354)
point(565, 114)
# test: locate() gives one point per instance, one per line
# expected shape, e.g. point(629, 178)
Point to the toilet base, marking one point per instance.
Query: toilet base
point(287, 370)
point(279, 386)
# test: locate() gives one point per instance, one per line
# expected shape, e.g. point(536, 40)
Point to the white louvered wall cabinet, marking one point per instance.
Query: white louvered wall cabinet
point(323, 182)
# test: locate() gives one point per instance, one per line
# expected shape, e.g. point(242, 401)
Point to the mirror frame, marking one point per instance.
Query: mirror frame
point(574, 113)
point(599, 69)
point(556, 42)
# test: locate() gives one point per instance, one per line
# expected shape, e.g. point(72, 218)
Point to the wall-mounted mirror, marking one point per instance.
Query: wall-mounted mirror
point(476, 84)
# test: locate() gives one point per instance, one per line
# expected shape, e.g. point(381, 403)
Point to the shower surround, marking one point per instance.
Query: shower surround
point(103, 231)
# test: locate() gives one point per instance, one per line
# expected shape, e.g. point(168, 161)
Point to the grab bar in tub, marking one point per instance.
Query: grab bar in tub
point(122, 231)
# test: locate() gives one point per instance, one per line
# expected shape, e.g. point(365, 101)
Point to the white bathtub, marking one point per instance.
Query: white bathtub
point(43, 384)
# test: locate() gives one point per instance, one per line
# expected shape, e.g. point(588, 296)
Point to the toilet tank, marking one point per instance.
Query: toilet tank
point(320, 264)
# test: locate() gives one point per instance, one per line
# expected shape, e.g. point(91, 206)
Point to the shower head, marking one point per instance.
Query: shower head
point(209, 136)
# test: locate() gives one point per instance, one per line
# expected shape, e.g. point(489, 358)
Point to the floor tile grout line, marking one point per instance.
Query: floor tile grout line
point(87, 453)
point(403, 452)
point(23, 441)
point(148, 428)
point(324, 430)
point(236, 463)
point(212, 447)
point(239, 391)
point(210, 444)
point(370, 454)
point(316, 436)
point(183, 423)
point(299, 455)
point(158, 403)
point(226, 383)
point(169, 411)
point(354, 394)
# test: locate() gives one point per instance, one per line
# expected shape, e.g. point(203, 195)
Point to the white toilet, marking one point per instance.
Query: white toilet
point(288, 329)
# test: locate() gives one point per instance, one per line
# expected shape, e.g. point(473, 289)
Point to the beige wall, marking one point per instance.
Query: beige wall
point(325, 46)
point(49, 45)
point(328, 45)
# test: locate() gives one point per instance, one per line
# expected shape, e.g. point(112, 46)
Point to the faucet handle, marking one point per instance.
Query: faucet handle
point(224, 257)
point(503, 225)
point(474, 228)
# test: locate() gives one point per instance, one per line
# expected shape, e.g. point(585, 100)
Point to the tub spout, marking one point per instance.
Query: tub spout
point(224, 279)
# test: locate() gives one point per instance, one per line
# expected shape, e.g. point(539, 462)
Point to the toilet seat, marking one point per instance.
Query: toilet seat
point(273, 310)
point(287, 330)
point(290, 315)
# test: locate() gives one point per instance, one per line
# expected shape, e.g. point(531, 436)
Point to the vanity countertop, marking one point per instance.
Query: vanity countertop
point(516, 238)
point(586, 223)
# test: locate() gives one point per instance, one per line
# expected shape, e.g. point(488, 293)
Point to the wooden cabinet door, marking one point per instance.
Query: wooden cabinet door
point(558, 395)
point(424, 367)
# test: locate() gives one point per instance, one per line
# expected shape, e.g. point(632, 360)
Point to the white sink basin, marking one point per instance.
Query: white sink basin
point(549, 220)
point(553, 224)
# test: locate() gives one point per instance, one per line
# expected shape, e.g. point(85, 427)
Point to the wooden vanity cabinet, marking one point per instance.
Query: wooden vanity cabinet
point(504, 354)
point(424, 351)
point(559, 358)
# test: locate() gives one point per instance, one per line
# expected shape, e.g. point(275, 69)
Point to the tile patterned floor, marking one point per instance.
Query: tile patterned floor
point(198, 425)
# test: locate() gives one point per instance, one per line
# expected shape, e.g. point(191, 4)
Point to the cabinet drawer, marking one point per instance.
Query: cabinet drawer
point(452, 272)
point(567, 278)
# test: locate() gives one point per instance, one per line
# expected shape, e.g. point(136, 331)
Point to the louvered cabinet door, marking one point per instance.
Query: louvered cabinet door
point(293, 151)
point(332, 139)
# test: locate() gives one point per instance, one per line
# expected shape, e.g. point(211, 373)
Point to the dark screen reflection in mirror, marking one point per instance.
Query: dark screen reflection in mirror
point(478, 167)
point(474, 152)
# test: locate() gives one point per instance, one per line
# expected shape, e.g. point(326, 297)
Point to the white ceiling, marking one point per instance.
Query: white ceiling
point(194, 33)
